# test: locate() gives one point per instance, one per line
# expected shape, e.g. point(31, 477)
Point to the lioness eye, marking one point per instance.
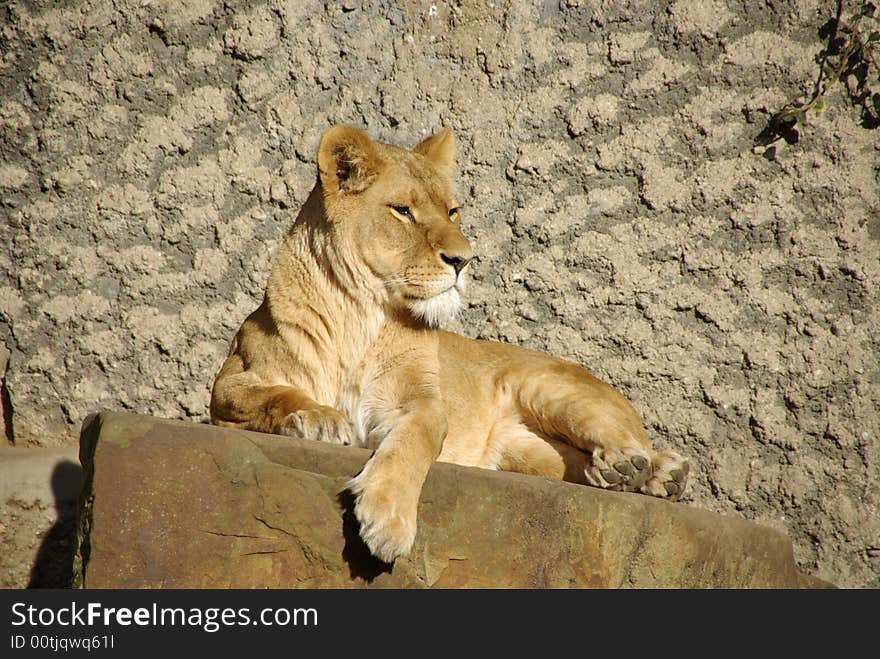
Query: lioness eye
point(454, 212)
point(403, 210)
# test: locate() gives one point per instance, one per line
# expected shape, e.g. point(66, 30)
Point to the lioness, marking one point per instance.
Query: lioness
point(344, 349)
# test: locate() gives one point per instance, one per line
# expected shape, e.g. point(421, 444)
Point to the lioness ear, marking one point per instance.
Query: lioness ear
point(347, 160)
point(440, 150)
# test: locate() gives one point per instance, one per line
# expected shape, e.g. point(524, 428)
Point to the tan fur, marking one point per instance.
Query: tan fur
point(343, 349)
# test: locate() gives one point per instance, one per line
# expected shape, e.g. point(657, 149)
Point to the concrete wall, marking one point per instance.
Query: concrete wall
point(152, 154)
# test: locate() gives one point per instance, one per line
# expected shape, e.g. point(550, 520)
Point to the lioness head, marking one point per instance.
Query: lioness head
point(395, 211)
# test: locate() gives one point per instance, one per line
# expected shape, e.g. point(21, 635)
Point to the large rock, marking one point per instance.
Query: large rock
point(176, 504)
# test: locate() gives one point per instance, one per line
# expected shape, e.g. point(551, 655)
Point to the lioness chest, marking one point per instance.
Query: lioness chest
point(405, 365)
point(399, 369)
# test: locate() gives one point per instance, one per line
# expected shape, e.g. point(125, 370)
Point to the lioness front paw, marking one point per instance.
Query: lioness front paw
point(323, 424)
point(621, 469)
point(388, 525)
point(669, 476)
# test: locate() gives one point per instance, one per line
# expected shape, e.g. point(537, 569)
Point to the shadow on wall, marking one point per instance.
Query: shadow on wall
point(53, 565)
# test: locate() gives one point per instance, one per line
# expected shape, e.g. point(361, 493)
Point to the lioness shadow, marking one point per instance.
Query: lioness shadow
point(361, 562)
point(53, 566)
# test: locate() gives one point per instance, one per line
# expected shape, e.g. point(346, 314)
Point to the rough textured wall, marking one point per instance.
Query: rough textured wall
point(152, 154)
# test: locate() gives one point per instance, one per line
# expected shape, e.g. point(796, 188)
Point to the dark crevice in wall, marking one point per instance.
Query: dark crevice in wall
point(6, 405)
point(5, 398)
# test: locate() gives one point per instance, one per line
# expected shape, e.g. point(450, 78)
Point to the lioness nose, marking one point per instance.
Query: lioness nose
point(456, 261)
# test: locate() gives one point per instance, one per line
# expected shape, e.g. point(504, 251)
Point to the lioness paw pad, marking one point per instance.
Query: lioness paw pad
point(669, 477)
point(621, 469)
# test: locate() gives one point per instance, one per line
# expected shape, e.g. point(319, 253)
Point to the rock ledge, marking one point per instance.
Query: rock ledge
point(171, 504)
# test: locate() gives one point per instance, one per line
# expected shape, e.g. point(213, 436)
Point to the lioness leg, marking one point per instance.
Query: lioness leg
point(240, 400)
point(522, 451)
point(565, 402)
point(387, 489)
point(404, 412)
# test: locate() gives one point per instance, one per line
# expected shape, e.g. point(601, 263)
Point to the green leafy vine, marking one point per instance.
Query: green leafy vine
point(858, 55)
